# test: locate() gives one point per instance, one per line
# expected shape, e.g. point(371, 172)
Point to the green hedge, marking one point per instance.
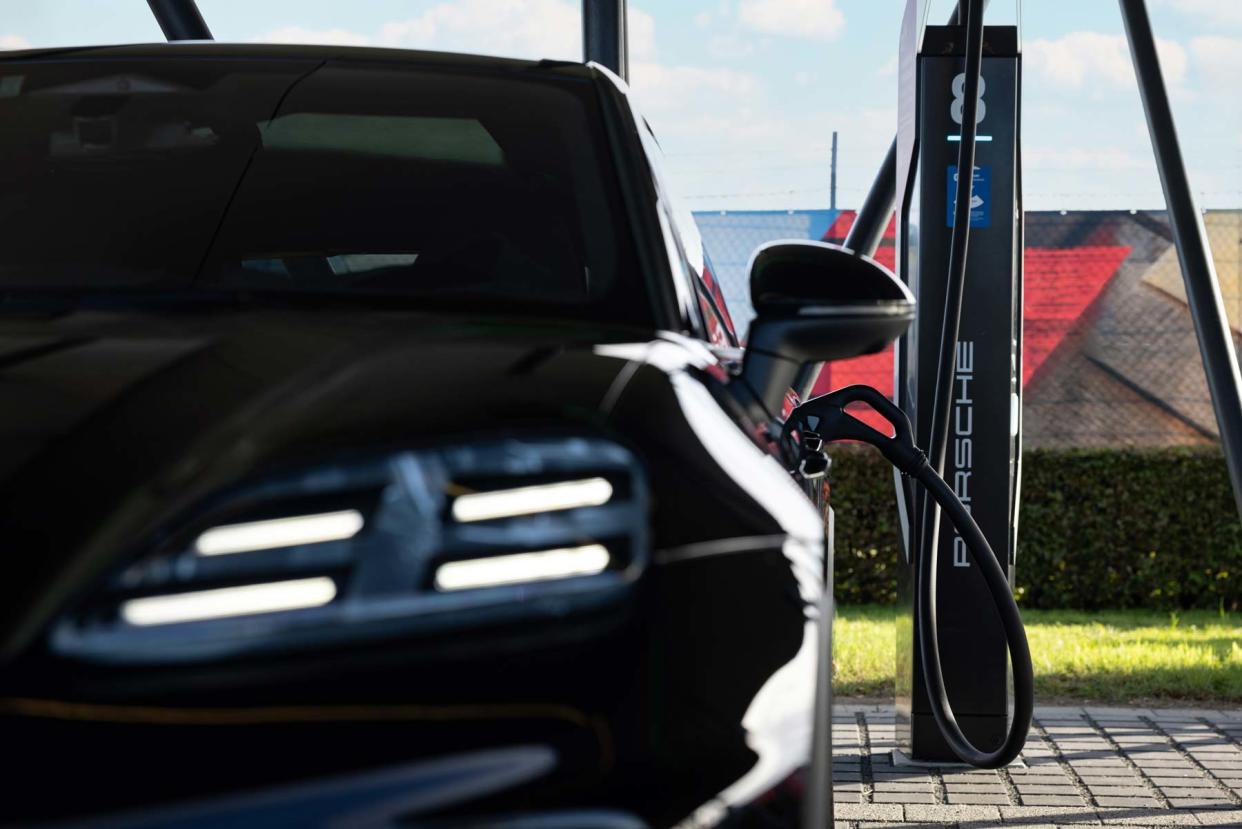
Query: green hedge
point(1097, 529)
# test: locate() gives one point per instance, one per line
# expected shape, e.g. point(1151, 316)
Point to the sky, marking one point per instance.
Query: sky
point(744, 94)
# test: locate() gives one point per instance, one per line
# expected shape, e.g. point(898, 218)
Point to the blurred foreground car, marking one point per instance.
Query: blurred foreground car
point(377, 449)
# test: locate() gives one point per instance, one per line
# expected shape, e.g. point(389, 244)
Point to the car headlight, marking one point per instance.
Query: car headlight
point(459, 537)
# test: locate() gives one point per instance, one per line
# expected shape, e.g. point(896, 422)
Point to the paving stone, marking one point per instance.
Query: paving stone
point(1137, 802)
point(944, 813)
point(1044, 788)
point(889, 774)
point(1128, 781)
point(1166, 783)
point(994, 799)
point(1116, 755)
point(903, 797)
point(1217, 759)
point(1213, 817)
point(868, 811)
point(1038, 774)
point(1119, 791)
point(1164, 754)
point(1197, 802)
point(1188, 771)
point(1052, 800)
point(1040, 815)
point(1186, 791)
point(901, 786)
point(1096, 763)
point(1146, 817)
point(972, 774)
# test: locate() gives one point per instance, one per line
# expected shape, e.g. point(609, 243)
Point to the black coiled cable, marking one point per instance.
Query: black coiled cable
point(827, 418)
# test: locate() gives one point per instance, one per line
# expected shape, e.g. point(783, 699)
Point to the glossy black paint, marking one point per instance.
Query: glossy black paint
point(691, 697)
point(815, 302)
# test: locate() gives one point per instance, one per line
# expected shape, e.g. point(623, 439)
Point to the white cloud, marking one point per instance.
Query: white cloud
point(813, 19)
point(1218, 60)
point(641, 34)
point(512, 28)
point(1084, 158)
point(1097, 62)
point(1214, 12)
point(13, 42)
point(674, 89)
point(547, 28)
point(730, 46)
point(749, 155)
point(298, 34)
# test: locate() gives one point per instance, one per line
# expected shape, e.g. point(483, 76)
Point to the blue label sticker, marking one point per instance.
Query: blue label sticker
point(980, 197)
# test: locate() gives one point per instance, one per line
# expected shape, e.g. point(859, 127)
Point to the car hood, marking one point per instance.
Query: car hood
point(111, 419)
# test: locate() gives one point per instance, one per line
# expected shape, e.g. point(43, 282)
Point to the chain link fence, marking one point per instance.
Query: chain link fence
point(1110, 357)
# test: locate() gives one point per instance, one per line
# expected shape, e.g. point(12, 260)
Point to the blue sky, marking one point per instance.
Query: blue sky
point(744, 94)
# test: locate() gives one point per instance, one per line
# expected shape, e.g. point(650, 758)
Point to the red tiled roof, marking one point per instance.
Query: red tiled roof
point(1060, 284)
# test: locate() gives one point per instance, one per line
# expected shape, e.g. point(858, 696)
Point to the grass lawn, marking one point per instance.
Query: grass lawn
point(1111, 656)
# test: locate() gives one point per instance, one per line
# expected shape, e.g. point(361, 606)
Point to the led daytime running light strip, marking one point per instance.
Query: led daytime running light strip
point(531, 500)
point(519, 568)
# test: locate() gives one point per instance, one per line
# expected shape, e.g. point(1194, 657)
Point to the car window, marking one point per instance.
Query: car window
point(477, 191)
point(690, 257)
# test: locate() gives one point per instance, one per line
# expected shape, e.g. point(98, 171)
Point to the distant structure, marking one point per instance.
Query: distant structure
point(1109, 352)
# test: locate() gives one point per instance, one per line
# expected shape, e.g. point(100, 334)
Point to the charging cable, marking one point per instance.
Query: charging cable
point(825, 420)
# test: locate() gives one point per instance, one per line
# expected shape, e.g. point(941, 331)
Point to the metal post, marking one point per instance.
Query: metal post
point(604, 35)
point(180, 20)
point(868, 228)
point(832, 190)
point(1220, 361)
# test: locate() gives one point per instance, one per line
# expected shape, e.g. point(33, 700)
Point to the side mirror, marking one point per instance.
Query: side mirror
point(816, 302)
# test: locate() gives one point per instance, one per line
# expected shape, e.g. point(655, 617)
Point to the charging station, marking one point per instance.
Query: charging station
point(982, 457)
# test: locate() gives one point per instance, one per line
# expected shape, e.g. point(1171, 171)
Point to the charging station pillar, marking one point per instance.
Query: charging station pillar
point(983, 456)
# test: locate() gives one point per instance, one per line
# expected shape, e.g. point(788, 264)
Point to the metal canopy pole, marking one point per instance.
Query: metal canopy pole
point(868, 227)
point(1220, 361)
point(604, 35)
point(180, 20)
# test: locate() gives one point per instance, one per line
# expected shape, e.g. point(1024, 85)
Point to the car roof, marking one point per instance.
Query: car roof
point(278, 51)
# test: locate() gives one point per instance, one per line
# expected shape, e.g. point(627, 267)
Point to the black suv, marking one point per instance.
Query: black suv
point(378, 449)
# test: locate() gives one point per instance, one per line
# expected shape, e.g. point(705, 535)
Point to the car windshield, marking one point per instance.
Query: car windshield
point(479, 189)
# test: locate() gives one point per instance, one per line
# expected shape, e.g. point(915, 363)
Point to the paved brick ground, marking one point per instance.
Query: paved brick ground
point(1131, 767)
